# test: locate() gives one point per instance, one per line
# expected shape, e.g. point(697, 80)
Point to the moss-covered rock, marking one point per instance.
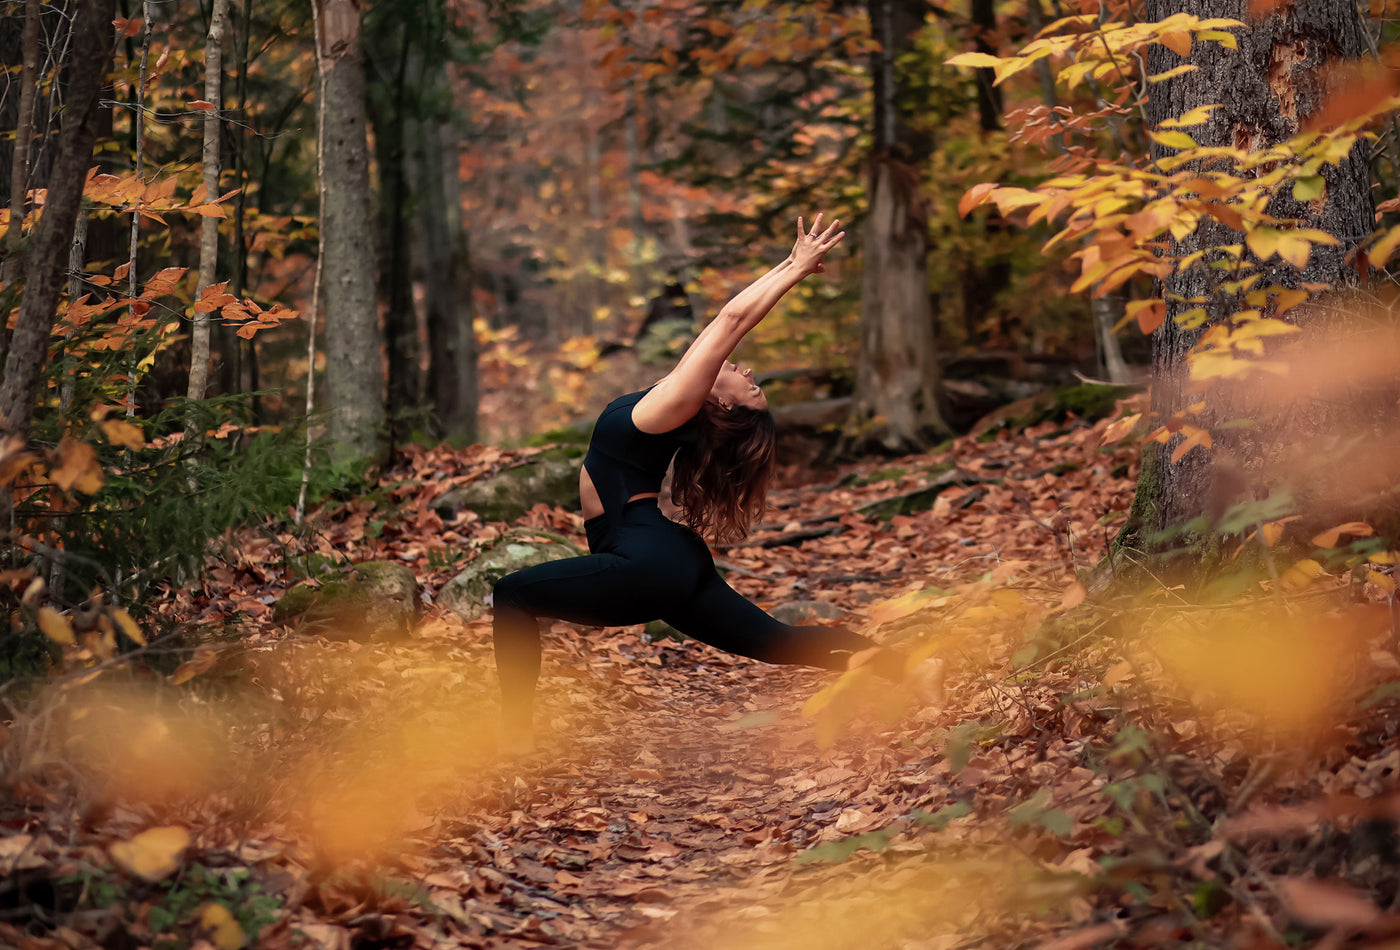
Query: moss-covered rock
point(804, 612)
point(376, 600)
point(1089, 401)
point(550, 477)
point(466, 593)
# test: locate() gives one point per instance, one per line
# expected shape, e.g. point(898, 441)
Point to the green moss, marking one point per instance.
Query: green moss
point(883, 475)
point(574, 436)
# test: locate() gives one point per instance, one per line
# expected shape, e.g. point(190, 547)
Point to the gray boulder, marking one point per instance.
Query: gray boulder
point(376, 600)
point(550, 477)
point(466, 593)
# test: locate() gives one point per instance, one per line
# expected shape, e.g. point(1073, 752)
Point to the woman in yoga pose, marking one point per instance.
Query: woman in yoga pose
point(710, 416)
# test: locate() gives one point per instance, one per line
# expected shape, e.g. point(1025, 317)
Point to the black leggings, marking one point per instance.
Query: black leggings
point(643, 568)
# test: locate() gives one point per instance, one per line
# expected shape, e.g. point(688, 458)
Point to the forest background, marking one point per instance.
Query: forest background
point(267, 264)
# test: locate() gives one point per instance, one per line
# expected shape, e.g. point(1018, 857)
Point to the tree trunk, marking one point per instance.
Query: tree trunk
point(390, 109)
point(984, 26)
point(1267, 90)
point(89, 58)
point(354, 358)
point(446, 275)
point(209, 227)
point(1107, 310)
point(897, 378)
point(19, 160)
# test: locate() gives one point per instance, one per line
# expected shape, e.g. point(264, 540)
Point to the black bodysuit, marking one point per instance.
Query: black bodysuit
point(644, 567)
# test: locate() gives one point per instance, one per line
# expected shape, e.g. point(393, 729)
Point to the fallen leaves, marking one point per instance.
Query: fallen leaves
point(152, 854)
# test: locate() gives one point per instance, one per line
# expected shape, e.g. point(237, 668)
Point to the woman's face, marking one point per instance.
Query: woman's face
point(735, 387)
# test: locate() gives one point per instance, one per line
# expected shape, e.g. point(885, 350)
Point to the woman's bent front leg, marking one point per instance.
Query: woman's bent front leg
point(601, 590)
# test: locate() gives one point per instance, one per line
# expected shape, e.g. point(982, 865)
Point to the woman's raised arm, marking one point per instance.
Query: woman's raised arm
point(679, 396)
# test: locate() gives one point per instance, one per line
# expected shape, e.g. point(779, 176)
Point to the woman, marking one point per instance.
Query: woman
point(710, 416)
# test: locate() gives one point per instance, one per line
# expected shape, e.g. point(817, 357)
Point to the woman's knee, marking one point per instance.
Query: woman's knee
point(508, 593)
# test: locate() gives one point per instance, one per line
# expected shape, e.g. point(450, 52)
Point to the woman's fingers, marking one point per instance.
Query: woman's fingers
point(816, 225)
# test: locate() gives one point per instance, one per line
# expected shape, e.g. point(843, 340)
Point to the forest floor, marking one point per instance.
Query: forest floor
point(349, 795)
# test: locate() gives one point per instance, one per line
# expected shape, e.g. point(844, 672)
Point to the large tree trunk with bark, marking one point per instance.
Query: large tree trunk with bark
point(354, 369)
point(897, 379)
point(392, 103)
point(446, 276)
point(1267, 90)
point(90, 55)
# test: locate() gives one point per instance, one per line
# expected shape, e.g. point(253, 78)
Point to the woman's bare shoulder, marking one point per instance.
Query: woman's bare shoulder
point(664, 407)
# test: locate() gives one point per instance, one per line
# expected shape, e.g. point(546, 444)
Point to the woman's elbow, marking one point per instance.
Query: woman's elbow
point(737, 316)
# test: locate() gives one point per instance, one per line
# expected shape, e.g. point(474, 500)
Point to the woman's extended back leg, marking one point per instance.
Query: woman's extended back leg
point(720, 616)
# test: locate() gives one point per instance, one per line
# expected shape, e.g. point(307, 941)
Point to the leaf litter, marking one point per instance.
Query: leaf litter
point(1069, 792)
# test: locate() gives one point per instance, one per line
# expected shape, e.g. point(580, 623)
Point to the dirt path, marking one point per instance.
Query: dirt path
point(682, 791)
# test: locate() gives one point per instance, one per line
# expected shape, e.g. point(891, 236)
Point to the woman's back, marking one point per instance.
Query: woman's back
point(624, 462)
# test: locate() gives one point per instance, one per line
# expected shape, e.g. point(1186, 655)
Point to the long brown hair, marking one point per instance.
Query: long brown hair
point(720, 481)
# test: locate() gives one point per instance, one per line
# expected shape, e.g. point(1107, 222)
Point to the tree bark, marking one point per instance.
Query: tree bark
point(1107, 310)
point(446, 274)
point(88, 62)
point(390, 111)
point(19, 160)
point(1266, 90)
point(209, 227)
point(984, 23)
point(354, 358)
point(897, 398)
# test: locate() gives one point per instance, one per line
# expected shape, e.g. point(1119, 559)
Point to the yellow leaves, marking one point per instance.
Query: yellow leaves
point(56, 627)
point(77, 467)
point(1283, 667)
point(152, 854)
point(1293, 245)
point(203, 659)
point(1192, 437)
point(1197, 116)
point(1179, 42)
point(128, 626)
point(15, 459)
point(1010, 198)
point(1384, 248)
point(222, 930)
point(975, 60)
point(975, 196)
point(1355, 529)
point(1176, 140)
point(123, 434)
point(1173, 73)
point(1150, 314)
point(1302, 574)
point(1119, 428)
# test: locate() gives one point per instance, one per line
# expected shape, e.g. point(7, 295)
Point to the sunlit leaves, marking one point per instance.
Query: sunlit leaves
point(1293, 245)
point(56, 626)
point(1100, 50)
point(1197, 116)
point(76, 467)
point(222, 929)
point(152, 854)
point(121, 433)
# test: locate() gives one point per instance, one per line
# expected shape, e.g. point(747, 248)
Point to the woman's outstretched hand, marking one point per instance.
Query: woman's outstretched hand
point(811, 247)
